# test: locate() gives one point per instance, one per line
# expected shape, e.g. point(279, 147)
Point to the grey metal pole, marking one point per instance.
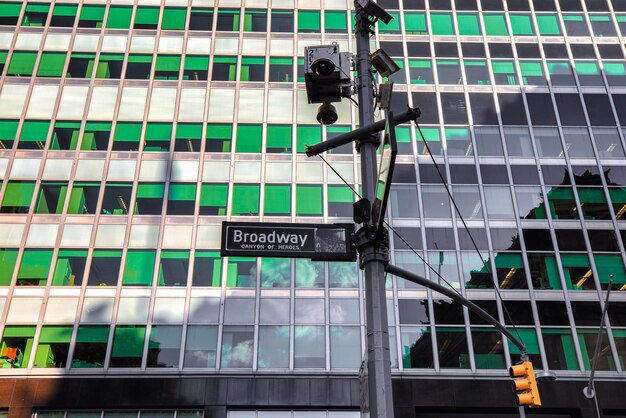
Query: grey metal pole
point(378, 362)
point(589, 391)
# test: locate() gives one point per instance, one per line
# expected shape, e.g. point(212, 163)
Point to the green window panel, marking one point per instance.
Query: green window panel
point(307, 135)
point(167, 67)
point(84, 198)
point(561, 73)
point(577, 272)
point(403, 139)
point(602, 25)
point(245, 200)
point(593, 203)
point(213, 199)
point(281, 69)
point(110, 66)
point(249, 138)
point(277, 199)
point(196, 67)
point(127, 136)
point(128, 344)
point(218, 137)
point(91, 345)
point(560, 349)
point(495, 25)
point(8, 131)
point(224, 68)
point(182, 192)
point(228, 20)
point(139, 268)
point(255, 20)
point(394, 24)
point(618, 200)
point(588, 341)
point(615, 72)
point(586, 68)
point(149, 200)
point(309, 200)
point(8, 259)
point(300, 70)
point(549, 25)
point(3, 59)
point(34, 134)
point(279, 139)
point(51, 197)
point(510, 271)
point(340, 199)
point(36, 14)
point(442, 23)
point(65, 135)
point(19, 341)
point(174, 18)
point(207, 269)
point(529, 337)
point(146, 17)
point(532, 73)
point(621, 23)
point(173, 268)
point(521, 25)
point(544, 273)
point(241, 272)
point(119, 17)
point(421, 71)
point(468, 24)
point(414, 23)
point(91, 16)
point(252, 69)
point(51, 64)
point(476, 72)
point(22, 63)
point(81, 65)
point(189, 131)
point(504, 73)
point(34, 268)
point(335, 21)
point(610, 265)
point(64, 15)
point(53, 347)
point(158, 136)
point(308, 21)
point(333, 132)
point(10, 13)
point(96, 136)
point(17, 196)
point(69, 268)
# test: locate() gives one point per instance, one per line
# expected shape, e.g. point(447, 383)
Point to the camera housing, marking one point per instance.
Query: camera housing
point(326, 114)
point(327, 74)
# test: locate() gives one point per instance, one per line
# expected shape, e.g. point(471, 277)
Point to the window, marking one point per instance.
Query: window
point(308, 21)
point(207, 269)
point(64, 15)
point(488, 141)
point(167, 67)
point(70, 268)
point(459, 142)
point(414, 24)
point(200, 346)
point(218, 137)
point(441, 23)
point(510, 271)
point(549, 25)
point(237, 346)
point(282, 21)
point(578, 142)
point(548, 142)
point(127, 135)
point(35, 14)
point(34, 268)
point(275, 272)
point(468, 24)
point(345, 347)
point(281, 69)
point(518, 142)
point(417, 350)
point(9, 13)
point(278, 139)
point(495, 24)
point(340, 200)
point(181, 199)
point(17, 197)
point(96, 136)
point(255, 20)
point(116, 199)
point(273, 347)
point(3, 59)
point(249, 138)
point(252, 69)
point(561, 73)
point(105, 268)
point(201, 19)
point(530, 202)
point(476, 72)
point(53, 347)
point(560, 350)
point(188, 137)
point(83, 198)
point(174, 18)
point(449, 72)
point(615, 72)
point(119, 17)
point(532, 73)
point(128, 343)
point(245, 200)
point(51, 197)
point(164, 346)
point(224, 68)
point(149, 200)
point(277, 200)
point(110, 66)
point(228, 20)
point(158, 136)
point(138, 66)
point(22, 64)
point(91, 346)
point(610, 266)
point(8, 258)
point(91, 16)
point(575, 25)
point(213, 198)
point(335, 21)
point(421, 72)
point(196, 68)
point(308, 200)
point(139, 268)
point(146, 17)
point(16, 345)
point(504, 73)
point(468, 201)
point(342, 275)
point(81, 65)
point(602, 25)
point(309, 350)
point(488, 348)
point(577, 272)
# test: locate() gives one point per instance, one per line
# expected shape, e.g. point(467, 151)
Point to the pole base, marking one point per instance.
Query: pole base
point(589, 392)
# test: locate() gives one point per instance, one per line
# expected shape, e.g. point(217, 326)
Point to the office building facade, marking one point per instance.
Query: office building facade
point(131, 129)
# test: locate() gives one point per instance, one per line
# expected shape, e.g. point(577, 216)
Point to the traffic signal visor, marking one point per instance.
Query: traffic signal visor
point(527, 393)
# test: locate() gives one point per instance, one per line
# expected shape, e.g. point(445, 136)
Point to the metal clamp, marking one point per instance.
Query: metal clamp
point(368, 249)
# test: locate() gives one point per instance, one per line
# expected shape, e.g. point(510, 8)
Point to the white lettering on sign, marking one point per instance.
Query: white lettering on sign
point(271, 238)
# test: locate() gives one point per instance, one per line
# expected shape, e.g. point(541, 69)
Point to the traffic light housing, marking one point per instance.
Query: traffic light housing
point(527, 393)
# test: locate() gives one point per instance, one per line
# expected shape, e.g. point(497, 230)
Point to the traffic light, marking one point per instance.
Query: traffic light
point(527, 393)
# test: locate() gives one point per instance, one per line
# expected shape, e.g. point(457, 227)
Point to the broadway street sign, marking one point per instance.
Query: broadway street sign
point(334, 242)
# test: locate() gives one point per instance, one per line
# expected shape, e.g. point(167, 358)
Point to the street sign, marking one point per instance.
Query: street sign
point(320, 242)
point(385, 174)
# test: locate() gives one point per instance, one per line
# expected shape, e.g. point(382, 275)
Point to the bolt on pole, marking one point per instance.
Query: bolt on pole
point(378, 360)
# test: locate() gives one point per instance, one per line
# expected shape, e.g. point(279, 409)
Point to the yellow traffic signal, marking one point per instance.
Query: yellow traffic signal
point(526, 387)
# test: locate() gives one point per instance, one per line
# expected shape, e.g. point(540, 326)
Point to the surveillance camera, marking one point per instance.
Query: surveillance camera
point(323, 67)
point(326, 114)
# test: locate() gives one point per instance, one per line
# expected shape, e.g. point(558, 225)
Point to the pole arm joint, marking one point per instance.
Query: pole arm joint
point(370, 250)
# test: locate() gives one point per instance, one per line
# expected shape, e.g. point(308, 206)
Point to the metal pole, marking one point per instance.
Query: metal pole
point(378, 362)
point(589, 391)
